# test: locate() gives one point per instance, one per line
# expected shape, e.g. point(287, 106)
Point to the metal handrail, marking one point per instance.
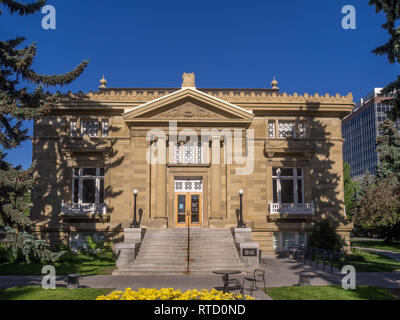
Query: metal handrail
point(188, 241)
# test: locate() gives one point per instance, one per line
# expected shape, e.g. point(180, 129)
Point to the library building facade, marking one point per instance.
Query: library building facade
point(190, 157)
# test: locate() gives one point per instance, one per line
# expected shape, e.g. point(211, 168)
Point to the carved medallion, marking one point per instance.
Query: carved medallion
point(188, 110)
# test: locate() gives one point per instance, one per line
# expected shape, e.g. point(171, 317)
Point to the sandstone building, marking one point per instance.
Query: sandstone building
point(94, 149)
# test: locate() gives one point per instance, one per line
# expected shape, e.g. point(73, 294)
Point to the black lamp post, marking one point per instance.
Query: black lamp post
point(239, 214)
point(135, 223)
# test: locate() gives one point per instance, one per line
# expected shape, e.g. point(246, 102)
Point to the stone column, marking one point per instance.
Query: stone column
point(161, 183)
point(216, 213)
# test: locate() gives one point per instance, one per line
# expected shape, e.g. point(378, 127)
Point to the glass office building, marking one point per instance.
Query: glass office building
point(360, 130)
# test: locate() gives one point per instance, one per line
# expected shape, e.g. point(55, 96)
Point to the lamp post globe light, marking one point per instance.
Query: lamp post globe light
point(241, 224)
point(135, 224)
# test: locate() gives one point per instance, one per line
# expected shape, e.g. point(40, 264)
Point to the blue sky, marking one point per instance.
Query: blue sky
point(237, 43)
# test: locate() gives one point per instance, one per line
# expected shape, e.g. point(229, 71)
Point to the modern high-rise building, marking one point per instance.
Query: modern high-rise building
point(360, 130)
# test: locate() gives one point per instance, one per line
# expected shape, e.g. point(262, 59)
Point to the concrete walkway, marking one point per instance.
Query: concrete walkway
point(285, 272)
point(279, 272)
point(183, 282)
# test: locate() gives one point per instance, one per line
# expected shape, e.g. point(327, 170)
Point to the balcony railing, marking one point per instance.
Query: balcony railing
point(291, 208)
point(69, 208)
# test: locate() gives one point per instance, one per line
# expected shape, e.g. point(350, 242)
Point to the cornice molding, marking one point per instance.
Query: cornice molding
point(229, 95)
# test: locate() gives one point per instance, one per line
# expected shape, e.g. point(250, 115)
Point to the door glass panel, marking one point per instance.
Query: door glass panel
point(299, 191)
point(195, 208)
point(181, 208)
point(89, 171)
point(89, 191)
point(76, 190)
point(275, 190)
point(287, 172)
point(287, 195)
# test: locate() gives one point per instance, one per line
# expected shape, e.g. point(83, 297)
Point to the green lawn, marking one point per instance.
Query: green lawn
point(37, 293)
point(83, 264)
point(376, 244)
point(329, 293)
point(371, 262)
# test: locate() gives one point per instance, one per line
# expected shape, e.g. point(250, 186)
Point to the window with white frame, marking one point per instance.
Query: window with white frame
point(90, 127)
point(189, 153)
point(104, 128)
point(72, 129)
point(289, 128)
point(288, 185)
point(88, 185)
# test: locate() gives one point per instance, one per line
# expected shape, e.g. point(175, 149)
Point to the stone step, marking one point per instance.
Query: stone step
point(194, 262)
point(161, 256)
point(164, 242)
point(165, 251)
point(161, 250)
point(157, 267)
point(179, 263)
point(163, 247)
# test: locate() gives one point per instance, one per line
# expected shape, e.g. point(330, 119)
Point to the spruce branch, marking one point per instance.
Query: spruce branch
point(23, 9)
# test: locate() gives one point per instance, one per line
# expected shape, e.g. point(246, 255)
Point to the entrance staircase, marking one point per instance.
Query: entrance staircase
point(166, 252)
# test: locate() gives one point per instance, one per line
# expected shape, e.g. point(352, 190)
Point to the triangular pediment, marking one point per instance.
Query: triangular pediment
point(188, 105)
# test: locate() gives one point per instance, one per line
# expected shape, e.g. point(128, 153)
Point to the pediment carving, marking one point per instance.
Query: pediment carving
point(188, 110)
point(188, 105)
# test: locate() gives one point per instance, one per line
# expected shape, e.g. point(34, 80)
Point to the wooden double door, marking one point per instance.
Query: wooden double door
point(188, 209)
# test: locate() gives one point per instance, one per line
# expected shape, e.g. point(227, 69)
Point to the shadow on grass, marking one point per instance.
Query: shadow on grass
point(102, 263)
point(372, 262)
point(37, 293)
point(377, 244)
point(329, 293)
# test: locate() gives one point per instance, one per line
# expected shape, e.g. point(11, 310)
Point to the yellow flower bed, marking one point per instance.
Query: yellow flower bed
point(171, 294)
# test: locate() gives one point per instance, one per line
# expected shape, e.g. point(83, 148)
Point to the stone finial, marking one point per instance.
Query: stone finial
point(188, 80)
point(274, 84)
point(103, 83)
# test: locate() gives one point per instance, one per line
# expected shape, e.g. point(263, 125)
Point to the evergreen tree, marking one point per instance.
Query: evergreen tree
point(350, 189)
point(377, 206)
point(22, 98)
point(324, 236)
point(388, 148)
point(391, 9)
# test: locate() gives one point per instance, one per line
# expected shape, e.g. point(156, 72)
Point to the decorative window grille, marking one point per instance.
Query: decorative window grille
point(178, 185)
point(90, 128)
point(188, 185)
point(199, 153)
point(177, 153)
point(188, 153)
point(87, 185)
point(73, 127)
point(287, 129)
point(104, 128)
point(271, 129)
